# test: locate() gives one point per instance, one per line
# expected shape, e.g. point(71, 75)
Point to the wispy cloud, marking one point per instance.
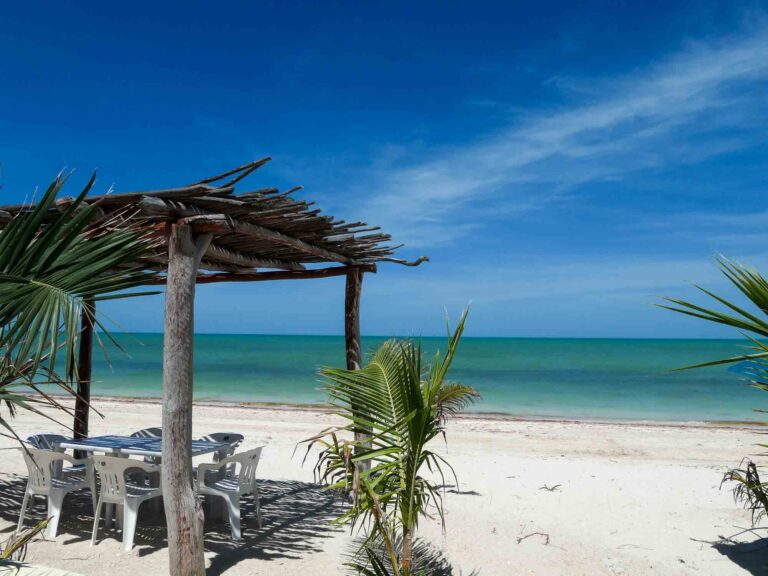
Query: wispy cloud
point(698, 103)
point(722, 231)
point(588, 296)
point(642, 279)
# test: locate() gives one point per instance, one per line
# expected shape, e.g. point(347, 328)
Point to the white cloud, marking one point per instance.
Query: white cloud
point(694, 105)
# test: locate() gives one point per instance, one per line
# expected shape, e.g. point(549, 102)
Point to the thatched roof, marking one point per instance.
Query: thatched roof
point(252, 231)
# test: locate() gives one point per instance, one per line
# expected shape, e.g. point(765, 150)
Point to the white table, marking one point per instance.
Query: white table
point(125, 446)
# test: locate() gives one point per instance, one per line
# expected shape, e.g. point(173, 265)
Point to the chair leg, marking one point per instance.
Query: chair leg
point(109, 516)
point(157, 503)
point(216, 508)
point(23, 510)
point(206, 505)
point(233, 508)
point(96, 519)
point(257, 507)
point(90, 479)
point(130, 516)
point(55, 504)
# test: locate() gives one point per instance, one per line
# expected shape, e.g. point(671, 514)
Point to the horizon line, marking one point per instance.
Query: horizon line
point(296, 335)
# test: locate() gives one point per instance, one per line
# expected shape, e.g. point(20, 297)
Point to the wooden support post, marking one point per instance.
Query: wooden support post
point(352, 318)
point(84, 370)
point(183, 513)
point(352, 328)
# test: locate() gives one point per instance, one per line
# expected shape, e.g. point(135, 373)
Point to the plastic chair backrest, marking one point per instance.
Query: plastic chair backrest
point(247, 462)
point(111, 473)
point(40, 464)
point(233, 439)
point(45, 441)
point(148, 433)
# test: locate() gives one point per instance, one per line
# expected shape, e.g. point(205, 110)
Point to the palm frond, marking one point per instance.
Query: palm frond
point(393, 407)
point(47, 271)
point(15, 547)
point(51, 262)
point(454, 397)
point(749, 490)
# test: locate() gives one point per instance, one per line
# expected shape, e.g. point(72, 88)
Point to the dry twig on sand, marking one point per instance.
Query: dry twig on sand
point(543, 534)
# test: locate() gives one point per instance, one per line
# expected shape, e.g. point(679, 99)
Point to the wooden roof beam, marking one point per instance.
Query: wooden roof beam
point(218, 267)
point(329, 272)
point(152, 206)
point(217, 253)
point(125, 198)
point(219, 223)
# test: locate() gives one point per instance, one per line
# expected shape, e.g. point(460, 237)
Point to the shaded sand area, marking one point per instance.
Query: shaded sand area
point(628, 499)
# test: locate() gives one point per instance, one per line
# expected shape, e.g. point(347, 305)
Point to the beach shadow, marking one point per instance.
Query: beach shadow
point(428, 560)
point(11, 493)
point(76, 521)
point(453, 489)
point(296, 521)
point(751, 556)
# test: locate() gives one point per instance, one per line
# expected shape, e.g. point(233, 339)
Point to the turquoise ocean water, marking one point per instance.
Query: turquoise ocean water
point(581, 378)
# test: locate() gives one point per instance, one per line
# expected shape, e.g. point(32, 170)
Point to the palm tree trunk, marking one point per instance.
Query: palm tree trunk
point(405, 560)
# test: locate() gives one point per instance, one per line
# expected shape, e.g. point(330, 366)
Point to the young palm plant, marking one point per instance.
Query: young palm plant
point(749, 489)
point(395, 406)
point(52, 259)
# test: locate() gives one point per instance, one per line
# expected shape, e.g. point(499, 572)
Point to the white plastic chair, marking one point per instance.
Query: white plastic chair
point(238, 480)
point(45, 479)
point(117, 489)
point(232, 439)
point(153, 432)
point(47, 441)
point(51, 442)
point(148, 433)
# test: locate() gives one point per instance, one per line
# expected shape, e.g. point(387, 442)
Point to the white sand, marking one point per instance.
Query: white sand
point(631, 499)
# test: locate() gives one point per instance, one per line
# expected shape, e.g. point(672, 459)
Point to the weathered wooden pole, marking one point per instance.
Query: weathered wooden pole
point(352, 330)
point(84, 371)
point(352, 318)
point(183, 513)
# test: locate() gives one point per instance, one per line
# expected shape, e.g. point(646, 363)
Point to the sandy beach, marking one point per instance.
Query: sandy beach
point(534, 498)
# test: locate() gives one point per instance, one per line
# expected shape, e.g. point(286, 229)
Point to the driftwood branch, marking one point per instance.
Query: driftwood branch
point(417, 262)
point(240, 169)
point(542, 534)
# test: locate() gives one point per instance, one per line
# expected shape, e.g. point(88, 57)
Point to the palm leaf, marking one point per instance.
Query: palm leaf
point(46, 272)
point(400, 406)
point(51, 262)
point(749, 488)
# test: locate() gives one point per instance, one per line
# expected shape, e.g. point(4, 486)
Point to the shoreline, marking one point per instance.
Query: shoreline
point(466, 416)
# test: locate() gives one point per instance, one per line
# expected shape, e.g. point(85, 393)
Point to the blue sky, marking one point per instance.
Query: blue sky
point(561, 164)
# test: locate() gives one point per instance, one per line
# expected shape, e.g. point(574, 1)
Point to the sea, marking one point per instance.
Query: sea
point(614, 379)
